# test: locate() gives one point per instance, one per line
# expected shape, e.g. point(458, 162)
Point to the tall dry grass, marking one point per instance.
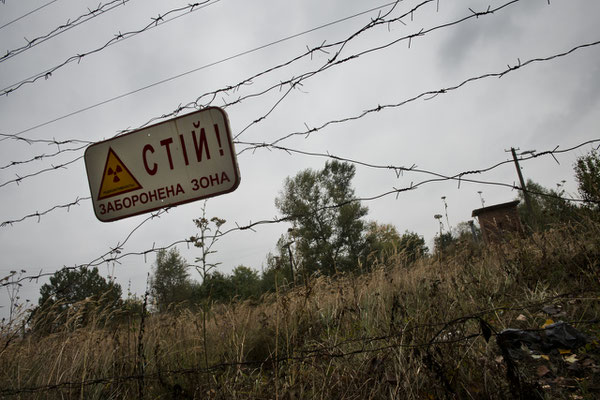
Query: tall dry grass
point(400, 331)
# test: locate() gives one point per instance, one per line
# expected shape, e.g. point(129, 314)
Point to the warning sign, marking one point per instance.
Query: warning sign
point(116, 178)
point(174, 162)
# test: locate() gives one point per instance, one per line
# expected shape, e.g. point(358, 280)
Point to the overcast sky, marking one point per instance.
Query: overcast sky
point(536, 107)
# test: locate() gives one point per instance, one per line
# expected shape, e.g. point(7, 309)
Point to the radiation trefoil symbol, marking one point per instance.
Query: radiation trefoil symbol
point(115, 173)
point(116, 178)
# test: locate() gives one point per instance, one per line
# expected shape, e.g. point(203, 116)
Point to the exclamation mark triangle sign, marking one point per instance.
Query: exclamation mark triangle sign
point(116, 178)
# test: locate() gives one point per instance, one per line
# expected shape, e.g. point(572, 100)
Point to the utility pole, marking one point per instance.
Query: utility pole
point(523, 187)
point(289, 247)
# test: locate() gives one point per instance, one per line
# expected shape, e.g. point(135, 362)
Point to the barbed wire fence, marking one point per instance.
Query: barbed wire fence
point(70, 24)
point(274, 145)
point(211, 96)
point(118, 252)
point(157, 21)
point(294, 82)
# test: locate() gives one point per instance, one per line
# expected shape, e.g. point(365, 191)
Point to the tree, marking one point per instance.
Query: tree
point(279, 266)
point(383, 241)
point(467, 232)
point(443, 243)
point(326, 217)
point(412, 246)
point(548, 206)
point(243, 283)
point(216, 287)
point(170, 282)
point(81, 288)
point(246, 282)
point(69, 286)
point(587, 173)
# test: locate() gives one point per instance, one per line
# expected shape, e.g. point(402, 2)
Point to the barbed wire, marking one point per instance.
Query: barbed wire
point(159, 375)
point(342, 349)
point(38, 214)
point(43, 156)
point(115, 254)
point(98, 260)
point(296, 82)
point(198, 103)
point(398, 170)
point(428, 95)
point(71, 23)
point(19, 178)
point(439, 177)
point(120, 37)
point(27, 14)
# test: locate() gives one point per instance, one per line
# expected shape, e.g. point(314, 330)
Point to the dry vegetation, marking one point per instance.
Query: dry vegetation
point(428, 330)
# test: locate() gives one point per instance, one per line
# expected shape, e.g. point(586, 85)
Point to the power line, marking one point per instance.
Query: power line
point(29, 13)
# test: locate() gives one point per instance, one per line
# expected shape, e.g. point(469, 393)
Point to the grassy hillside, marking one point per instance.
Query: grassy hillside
point(429, 330)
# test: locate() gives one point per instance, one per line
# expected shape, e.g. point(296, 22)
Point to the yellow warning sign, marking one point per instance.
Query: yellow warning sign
point(116, 179)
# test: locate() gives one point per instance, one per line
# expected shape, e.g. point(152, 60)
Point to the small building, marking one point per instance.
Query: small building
point(498, 221)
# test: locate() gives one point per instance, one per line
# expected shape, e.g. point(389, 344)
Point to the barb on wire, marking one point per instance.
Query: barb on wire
point(114, 254)
point(42, 156)
point(18, 179)
point(71, 23)
point(37, 214)
point(117, 38)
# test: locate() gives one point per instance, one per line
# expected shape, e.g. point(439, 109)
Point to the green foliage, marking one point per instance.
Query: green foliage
point(279, 267)
point(587, 173)
point(69, 286)
point(383, 242)
point(467, 232)
point(412, 245)
point(243, 283)
point(216, 287)
point(133, 306)
point(80, 288)
point(327, 224)
point(443, 243)
point(170, 282)
point(547, 207)
point(421, 333)
point(246, 282)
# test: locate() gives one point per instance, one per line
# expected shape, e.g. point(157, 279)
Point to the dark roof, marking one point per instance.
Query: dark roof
point(479, 211)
